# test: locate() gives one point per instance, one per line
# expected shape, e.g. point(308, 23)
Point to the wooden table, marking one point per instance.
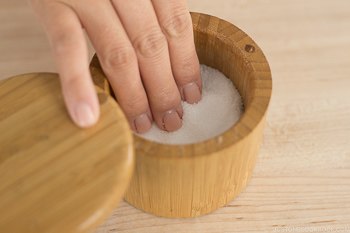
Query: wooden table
point(302, 179)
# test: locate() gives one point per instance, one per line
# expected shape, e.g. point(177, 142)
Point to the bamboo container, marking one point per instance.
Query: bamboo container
point(195, 179)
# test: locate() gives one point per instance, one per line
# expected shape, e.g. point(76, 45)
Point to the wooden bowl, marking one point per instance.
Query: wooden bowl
point(195, 179)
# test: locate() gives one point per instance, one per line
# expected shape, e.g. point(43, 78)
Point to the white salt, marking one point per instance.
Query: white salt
point(219, 109)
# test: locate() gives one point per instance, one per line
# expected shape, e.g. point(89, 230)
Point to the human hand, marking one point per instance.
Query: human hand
point(146, 50)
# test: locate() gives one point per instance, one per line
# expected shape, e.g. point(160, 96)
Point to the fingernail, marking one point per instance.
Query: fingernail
point(180, 111)
point(84, 115)
point(172, 121)
point(142, 123)
point(191, 93)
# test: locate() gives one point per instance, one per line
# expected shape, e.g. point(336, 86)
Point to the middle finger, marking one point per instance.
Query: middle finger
point(140, 22)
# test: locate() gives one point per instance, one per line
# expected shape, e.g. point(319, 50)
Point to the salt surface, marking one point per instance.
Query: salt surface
point(219, 109)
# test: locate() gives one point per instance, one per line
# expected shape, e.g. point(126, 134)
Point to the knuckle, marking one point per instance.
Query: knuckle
point(64, 42)
point(135, 102)
point(150, 44)
point(177, 25)
point(135, 105)
point(119, 57)
point(189, 71)
point(165, 100)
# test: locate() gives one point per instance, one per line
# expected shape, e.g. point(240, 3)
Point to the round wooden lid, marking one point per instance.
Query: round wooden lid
point(54, 176)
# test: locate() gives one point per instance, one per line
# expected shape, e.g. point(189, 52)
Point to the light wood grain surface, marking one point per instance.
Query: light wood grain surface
point(55, 177)
point(302, 179)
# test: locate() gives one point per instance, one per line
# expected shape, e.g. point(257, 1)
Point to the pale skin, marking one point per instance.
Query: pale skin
point(146, 50)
